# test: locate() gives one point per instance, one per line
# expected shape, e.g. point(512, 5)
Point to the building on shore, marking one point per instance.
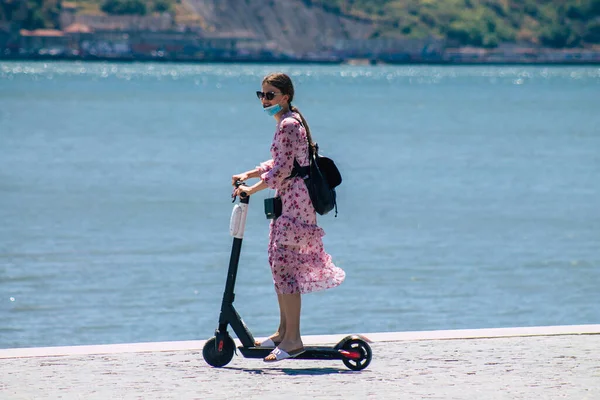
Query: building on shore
point(43, 42)
point(390, 50)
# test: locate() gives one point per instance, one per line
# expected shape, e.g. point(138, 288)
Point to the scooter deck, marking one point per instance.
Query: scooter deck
point(310, 353)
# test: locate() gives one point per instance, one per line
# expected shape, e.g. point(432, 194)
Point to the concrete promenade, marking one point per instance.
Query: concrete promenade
point(559, 362)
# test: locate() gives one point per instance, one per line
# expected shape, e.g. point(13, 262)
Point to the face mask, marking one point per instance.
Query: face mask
point(272, 110)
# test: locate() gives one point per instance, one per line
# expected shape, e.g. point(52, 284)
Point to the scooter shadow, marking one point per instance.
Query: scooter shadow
point(292, 371)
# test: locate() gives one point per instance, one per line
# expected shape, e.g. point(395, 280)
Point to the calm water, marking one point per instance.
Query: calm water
point(471, 198)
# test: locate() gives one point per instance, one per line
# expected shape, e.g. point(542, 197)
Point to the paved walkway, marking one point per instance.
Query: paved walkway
point(554, 363)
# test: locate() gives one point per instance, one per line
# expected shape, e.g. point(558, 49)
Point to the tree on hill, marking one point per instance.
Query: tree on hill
point(557, 23)
point(136, 7)
point(124, 7)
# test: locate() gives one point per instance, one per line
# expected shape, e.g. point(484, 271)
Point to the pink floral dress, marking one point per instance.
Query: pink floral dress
point(298, 260)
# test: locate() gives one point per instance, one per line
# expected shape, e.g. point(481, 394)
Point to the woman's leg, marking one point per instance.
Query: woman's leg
point(291, 305)
point(280, 332)
point(278, 336)
point(282, 321)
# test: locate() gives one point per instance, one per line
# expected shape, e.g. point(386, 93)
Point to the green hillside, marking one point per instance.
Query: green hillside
point(558, 23)
point(566, 23)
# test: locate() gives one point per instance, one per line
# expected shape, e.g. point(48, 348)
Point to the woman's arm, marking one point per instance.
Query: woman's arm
point(283, 150)
point(250, 190)
point(244, 176)
point(253, 173)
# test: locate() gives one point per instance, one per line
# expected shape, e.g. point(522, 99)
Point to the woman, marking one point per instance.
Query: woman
point(299, 263)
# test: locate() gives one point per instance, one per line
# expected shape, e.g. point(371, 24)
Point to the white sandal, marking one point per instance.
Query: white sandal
point(268, 342)
point(282, 354)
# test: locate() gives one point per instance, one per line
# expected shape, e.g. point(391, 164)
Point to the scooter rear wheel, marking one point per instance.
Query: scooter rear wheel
point(217, 358)
point(360, 347)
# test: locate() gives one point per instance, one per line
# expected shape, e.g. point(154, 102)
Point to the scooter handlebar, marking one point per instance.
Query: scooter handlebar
point(243, 195)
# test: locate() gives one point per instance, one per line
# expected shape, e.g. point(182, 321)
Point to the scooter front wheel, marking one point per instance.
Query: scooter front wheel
point(218, 354)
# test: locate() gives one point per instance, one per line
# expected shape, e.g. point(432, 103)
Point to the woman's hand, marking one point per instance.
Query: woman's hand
point(243, 188)
point(239, 177)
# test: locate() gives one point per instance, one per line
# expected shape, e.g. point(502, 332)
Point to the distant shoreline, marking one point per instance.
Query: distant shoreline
point(349, 62)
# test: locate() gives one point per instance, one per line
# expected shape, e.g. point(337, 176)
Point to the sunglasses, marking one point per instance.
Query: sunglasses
point(268, 95)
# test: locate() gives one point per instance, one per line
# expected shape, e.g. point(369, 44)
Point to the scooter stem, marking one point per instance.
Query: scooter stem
point(228, 313)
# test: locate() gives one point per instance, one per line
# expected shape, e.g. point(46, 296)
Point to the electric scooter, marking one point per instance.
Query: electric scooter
point(218, 351)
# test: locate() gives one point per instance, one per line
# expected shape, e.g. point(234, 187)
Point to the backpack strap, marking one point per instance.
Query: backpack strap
point(297, 170)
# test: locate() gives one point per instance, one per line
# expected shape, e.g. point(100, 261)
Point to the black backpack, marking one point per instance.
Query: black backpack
point(321, 177)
